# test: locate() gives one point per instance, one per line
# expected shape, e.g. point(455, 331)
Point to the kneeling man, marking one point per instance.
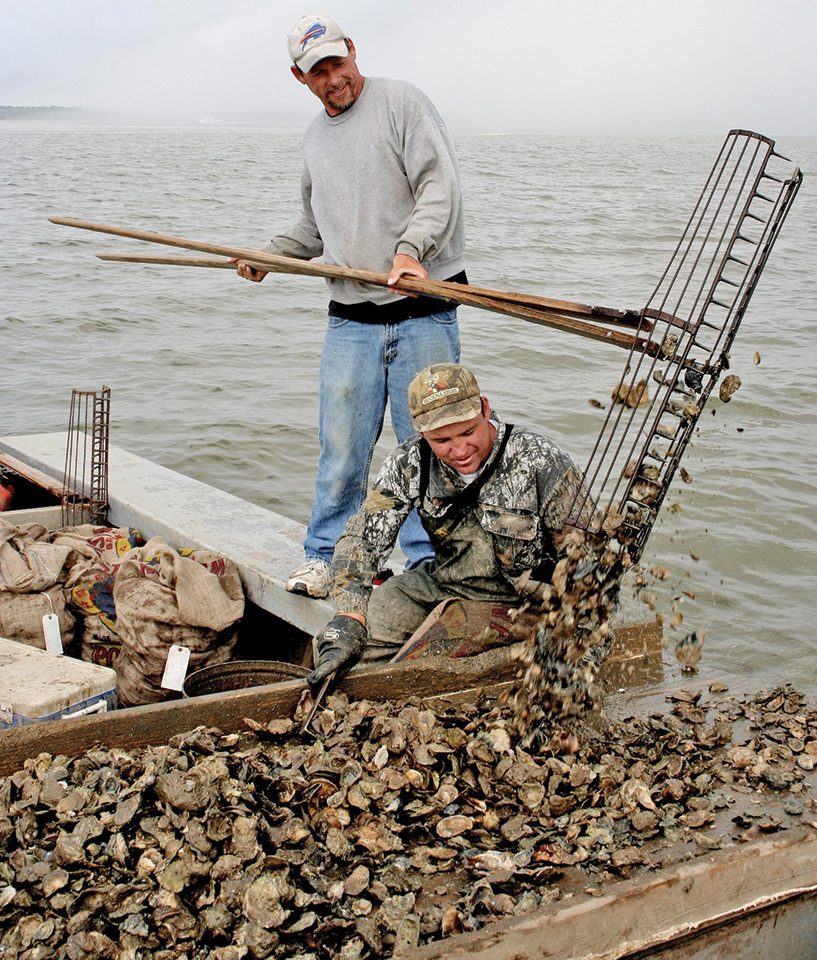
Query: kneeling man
point(494, 498)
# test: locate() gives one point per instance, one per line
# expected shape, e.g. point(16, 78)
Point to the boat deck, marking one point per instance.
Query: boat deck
point(188, 513)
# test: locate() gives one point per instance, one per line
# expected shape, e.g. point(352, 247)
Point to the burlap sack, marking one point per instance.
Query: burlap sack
point(163, 598)
point(98, 547)
point(21, 617)
point(98, 643)
point(29, 562)
point(91, 568)
point(31, 567)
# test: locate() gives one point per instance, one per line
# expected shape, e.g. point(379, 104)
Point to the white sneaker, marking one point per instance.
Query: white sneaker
point(311, 578)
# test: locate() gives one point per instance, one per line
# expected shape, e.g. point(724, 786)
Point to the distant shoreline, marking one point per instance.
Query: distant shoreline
point(38, 113)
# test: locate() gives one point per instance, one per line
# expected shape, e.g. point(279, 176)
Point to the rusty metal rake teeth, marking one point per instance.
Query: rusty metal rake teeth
point(696, 309)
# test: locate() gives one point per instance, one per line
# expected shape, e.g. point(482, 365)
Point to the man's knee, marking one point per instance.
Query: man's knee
point(392, 617)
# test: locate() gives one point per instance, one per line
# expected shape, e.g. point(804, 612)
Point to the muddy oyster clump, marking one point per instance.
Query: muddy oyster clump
point(398, 825)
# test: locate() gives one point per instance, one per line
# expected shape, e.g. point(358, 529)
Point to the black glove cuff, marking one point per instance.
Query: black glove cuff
point(342, 633)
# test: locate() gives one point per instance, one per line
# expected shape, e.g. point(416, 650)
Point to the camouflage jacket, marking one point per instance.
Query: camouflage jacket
point(523, 505)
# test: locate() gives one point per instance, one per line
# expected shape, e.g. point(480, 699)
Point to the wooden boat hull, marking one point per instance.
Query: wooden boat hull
point(755, 903)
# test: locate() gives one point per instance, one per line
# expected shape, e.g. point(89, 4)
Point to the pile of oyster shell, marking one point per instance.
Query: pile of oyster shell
point(394, 825)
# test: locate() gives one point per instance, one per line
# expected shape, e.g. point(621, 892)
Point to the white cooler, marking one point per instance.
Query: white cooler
point(37, 685)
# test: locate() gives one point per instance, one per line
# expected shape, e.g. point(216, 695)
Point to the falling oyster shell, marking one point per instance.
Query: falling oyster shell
point(646, 491)
point(636, 395)
point(688, 649)
point(669, 345)
point(612, 522)
point(728, 386)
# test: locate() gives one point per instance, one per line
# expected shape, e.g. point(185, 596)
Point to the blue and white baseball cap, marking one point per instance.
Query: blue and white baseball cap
point(315, 37)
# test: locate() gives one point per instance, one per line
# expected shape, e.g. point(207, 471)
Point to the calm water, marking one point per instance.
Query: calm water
point(217, 378)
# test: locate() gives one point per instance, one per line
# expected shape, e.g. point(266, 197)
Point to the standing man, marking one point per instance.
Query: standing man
point(496, 501)
point(381, 191)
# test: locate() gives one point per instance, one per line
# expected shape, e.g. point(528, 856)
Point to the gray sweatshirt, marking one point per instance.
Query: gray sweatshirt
point(380, 179)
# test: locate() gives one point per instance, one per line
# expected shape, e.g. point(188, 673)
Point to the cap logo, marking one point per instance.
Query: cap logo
point(316, 31)
point(438, 394)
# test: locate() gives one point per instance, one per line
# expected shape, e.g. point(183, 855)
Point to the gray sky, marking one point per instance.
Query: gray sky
point(572, 66)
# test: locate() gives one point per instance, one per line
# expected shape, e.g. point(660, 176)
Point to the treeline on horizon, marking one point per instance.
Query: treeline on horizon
point(34, 113)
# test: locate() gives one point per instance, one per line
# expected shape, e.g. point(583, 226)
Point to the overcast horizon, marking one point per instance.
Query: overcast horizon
point(587, 68)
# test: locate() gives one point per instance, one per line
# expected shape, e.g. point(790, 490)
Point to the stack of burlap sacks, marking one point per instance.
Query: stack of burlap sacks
point(120, 602)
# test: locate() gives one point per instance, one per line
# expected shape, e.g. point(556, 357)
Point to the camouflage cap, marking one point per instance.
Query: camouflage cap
point(442, 394)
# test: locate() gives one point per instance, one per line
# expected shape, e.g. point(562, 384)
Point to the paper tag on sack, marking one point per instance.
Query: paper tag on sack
point(175, 667)
point(51, 631)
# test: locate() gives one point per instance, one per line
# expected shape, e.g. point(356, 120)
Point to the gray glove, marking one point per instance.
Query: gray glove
point(339, 647)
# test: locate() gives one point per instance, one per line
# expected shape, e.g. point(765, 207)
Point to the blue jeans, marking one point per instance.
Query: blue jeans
point(364, 365)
